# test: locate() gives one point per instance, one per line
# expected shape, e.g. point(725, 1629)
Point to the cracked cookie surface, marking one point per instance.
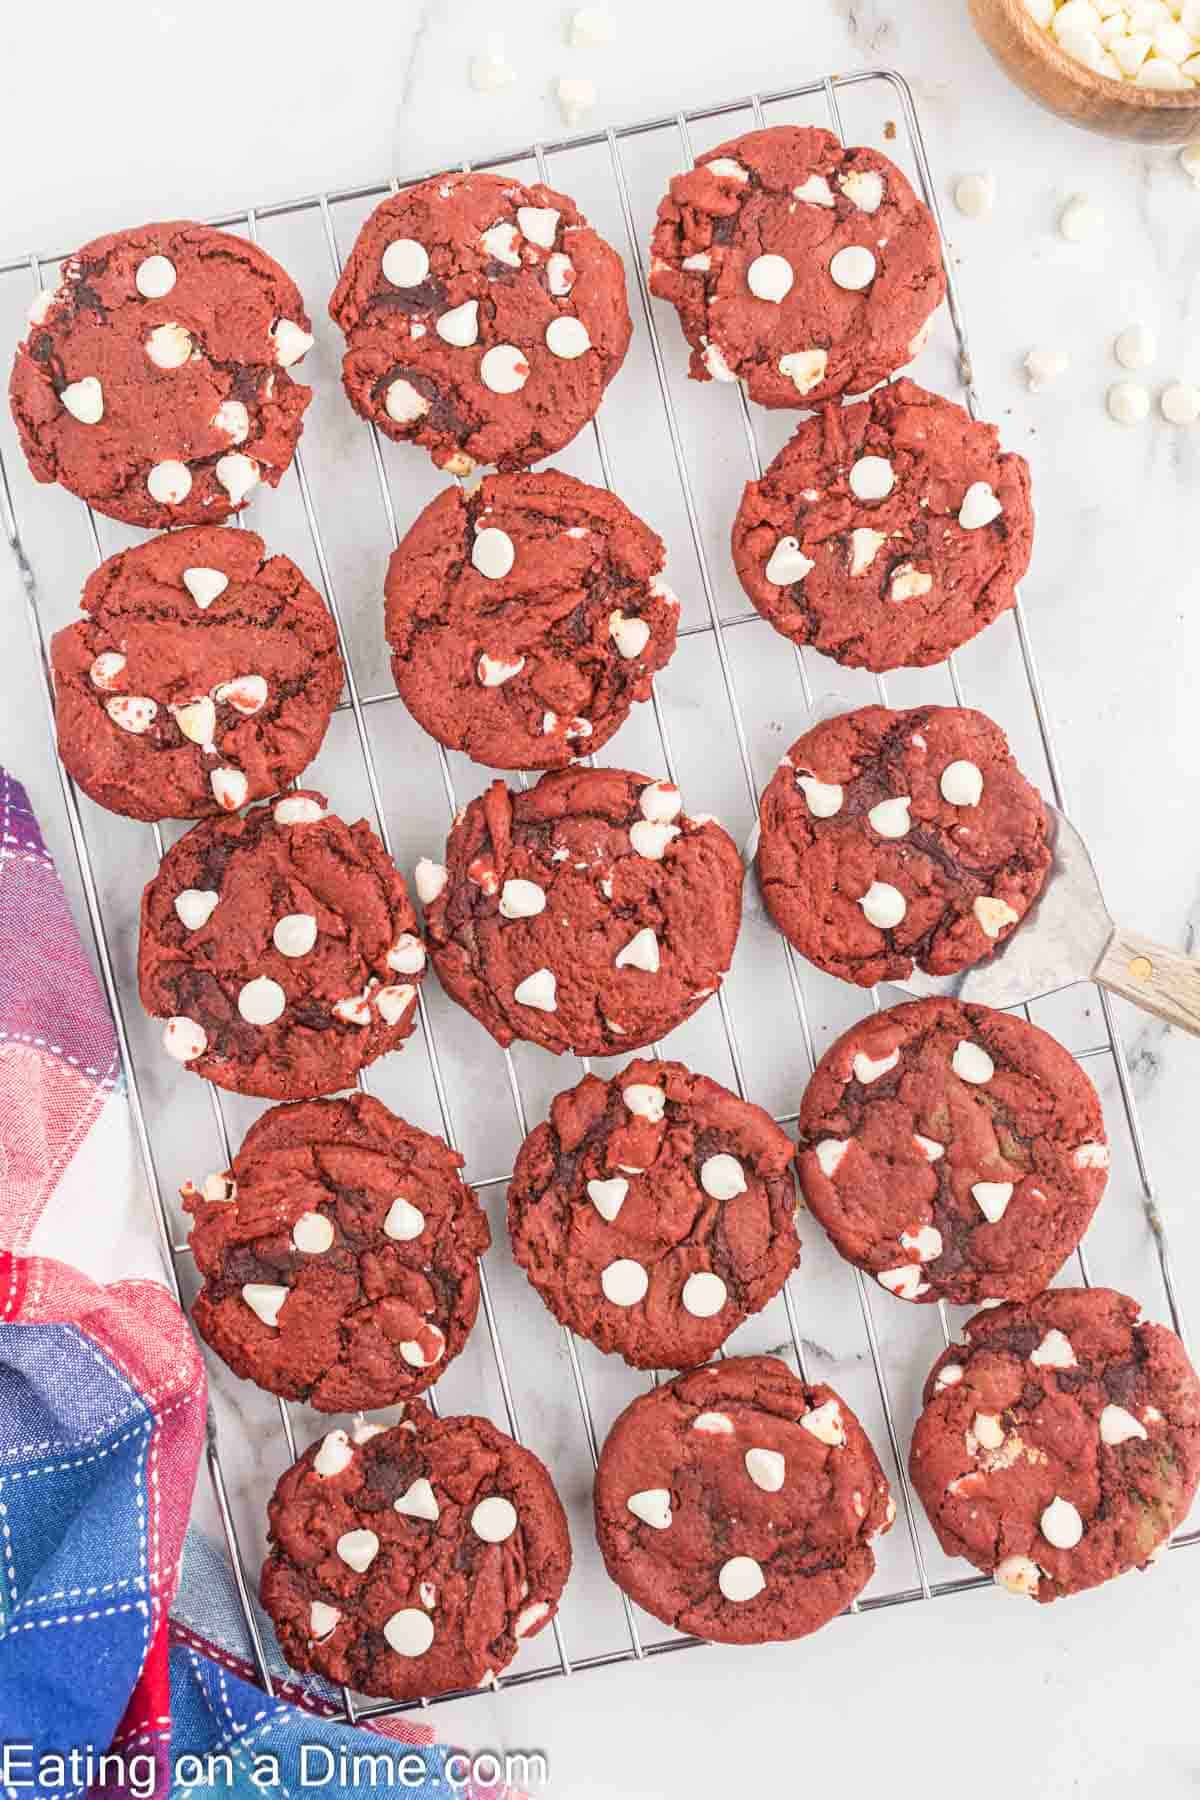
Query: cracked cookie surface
point(953, 1152)
point(739, 1503)
point(154, 381)
point(526, 618)
point(354, 1234)
point(483, 320)
point(1059, 1444)
point(801, 268)
point(282, 950)
point(413, 1560)
point(896, 578)
point(588, 913)
point(898, 839)
point(204, 667)
point(654, 1212)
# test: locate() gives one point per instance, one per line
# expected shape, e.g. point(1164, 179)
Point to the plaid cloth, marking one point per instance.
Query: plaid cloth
point(104, 1650)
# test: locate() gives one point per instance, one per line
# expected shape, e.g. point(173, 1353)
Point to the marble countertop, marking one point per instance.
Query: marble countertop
point(151, 116)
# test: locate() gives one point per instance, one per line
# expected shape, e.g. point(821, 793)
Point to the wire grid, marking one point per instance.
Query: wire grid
point(357, 704)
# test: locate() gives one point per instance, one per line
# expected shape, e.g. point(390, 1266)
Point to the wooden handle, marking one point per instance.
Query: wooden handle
point(1159, 980)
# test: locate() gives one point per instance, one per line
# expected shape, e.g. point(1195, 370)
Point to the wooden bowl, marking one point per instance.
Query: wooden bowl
point(1057, 81)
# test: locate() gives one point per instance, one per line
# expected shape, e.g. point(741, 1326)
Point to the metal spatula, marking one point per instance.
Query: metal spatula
point(1070, 936)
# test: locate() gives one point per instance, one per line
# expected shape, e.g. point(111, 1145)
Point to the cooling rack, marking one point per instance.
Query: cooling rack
point(732, 699)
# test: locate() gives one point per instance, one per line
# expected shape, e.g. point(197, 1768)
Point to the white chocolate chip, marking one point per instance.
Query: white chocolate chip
point(823, 798)
point(364, 1431)
point(980, 506)
point(184, 1038)
point(592, 28)
point(522, 899)
point(890, 817)
point(1054, 1352)
point(770, 277)
point(766, 1469)
point(805, 369)
point(909, 583)
point(169, 483)
point(1061, 1524)
point(926, 1241)
point(539, 224)
point(930, 1149)
point(722, 1176)
point(825, 1424)
point(868, 1069)
point(155, 277)
point(1091, 1156)
point(409, 1632)
point(949, 1375)
point(645, 1101)
point(460, 326)
point(84, 400)
point(265, 1300)
point(1136, 347)
point(229, 787)
point(295, 934)
point(864, 188)
point(704, 1294)
point(407, 955)
point(539, 990)
point(530, 1618)
point(195, 907)
point(816, 191)
point(418, 1501)
point(560, 274)
point(322, 1620)
point(608, 1197)
point(905, 1282)
point(987, 1431)
point(865, 545)
point(1018, 1575)
point(405, 263)
point(494, 671)
point(829, 1153)
point(291, 342)
point(567, 337)
point(197, 720)
point(334, 1455)
point(358, 1550)
point(354, 1009)
point(576, 96)
point(218, 1188)
point(312, 1234)
point(714, 361)
point(494, 1519)
point(993, 914)
point(493, 553)
point(660, 802)
point(1180, 403)
point(649, 838)
point(205, 586)
point(298, 809)
point(884, 905)
point(1117, 1426)
point(169, 346)
point(233, 419)
point(872, 478)
point(247, 694)
point(417, 1356)
point(132, 712)
point(726, 167)
point(741, 1579)
point(972, 1063)
point(1079, 219)
point(641, 952)
point(106, 670)
point(261, 1001)
point(787, 563)
point(853, 268)
point(630, 635)
point(394, 1002)
point(403, 403)
point(237, 474)
point(652, 1506)
point(624, 1282)
point(962, 784)
point(716, 1424)
point(975, 195)
point(504, 369)
point(429, 879)
point(992, 1198)
point(501, 243)
point(403, 1221)
point(1044, 366)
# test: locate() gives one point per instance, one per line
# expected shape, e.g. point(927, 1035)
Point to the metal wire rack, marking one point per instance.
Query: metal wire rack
point(672, 136)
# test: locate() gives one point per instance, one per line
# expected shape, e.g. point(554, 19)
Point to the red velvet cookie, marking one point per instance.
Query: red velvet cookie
point(154, 380)
point(589, 913)
point(203, 676)
point(483, 320)
point(888, 533)
point(1060, 1444)
point(526, 617)
point(338, 1255)
point(415, 1560)
point(654, 1213)
point(282, 950)
point(953, 1152)
point(900, 839)
point(739, 1503)
point(803, 269)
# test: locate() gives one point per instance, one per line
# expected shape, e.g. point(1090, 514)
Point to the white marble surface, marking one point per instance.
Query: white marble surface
point(154, 113)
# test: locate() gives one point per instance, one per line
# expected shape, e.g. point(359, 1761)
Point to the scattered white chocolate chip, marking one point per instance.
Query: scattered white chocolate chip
point(1117, 1426)
point(169, 346)
point(1180, 403)
point(493, 553)
point(197, 720)
point(194, 907)
point(233, 419)
point(993, 915)
point(494, 1519)
point(972, 1063)
point(987, 1431)
point(872, 478)
point(1044, 366)
point(660, 802)
point(1018, 1575)
point(169, 483)
point(358, 1550)
point(322, 1620)
point(815, 191)
point(980, 506)
point(992, 1198)
point(407, 954)
point(884, 905)
point(409, 1632)
point(261, 1001)
point(522, 899)
point(949, 1375)
point(501, 243)
point(787, 563)
point(630, 635)
point(825, 1424)
point(766, 1469)
point(727, 168)
point(560, 274)
point(1079, 219)
point(740, 1579)
point(429, 879)
point(403, 1221)
point(823, 798)
point(423, 1356)
point(863, 188)
point(805, 369)
point(645, 1101)
point(334, 1455)
point(460, 326)
point(865, 545)
point(652, 1506)
point(576, 96)
point(722, 1176)
point(650, 838)
point(1054, 1352)
point(312, 1234)
point(298, 809)
point(714, 361)
point(494, 671)
point(184, 1039)
point(504, 369)
point(265, 1300)
point(905, 1282)
point(704, 1294)
point(132, 712)
point(1061, 1524)
point(291, 342)
point(909, 583)
point(354, 1009)
point(962, 784)
point(608, 1197)
point(770, 277)
point(641, 952)
point(247, 694)
point(567, 337)
point(539, 224)
point(624, 1282)
point(1136, 347)
point(853, 268)
point(539, 990)
point(975, 195)
point(205, 586)
point(107, 669)
point(237, 474)
point(229, 787)
point(868, 1069)
point(492, 71)
point(84, 400)
point(930, 1149)
point(154, 277)
point(717, 1424)
point(402, 403)
point(926, 1241)
point(418, 1501)
point(890, 817)
point(394, 1002)
point(405, 263)
point(829, 1153)
point(295, 934)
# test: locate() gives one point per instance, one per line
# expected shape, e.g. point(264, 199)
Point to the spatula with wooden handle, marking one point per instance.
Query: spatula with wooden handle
point(1070, 936)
